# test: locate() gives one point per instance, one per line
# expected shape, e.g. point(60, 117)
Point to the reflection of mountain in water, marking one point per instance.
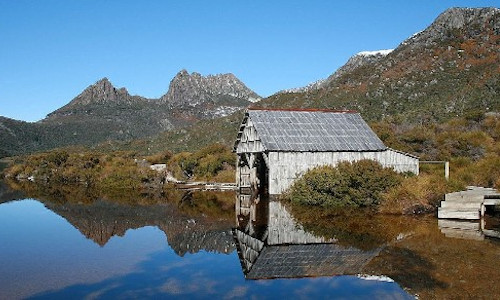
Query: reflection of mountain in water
point(7, 194)
point(271, 244)
point(102, 220)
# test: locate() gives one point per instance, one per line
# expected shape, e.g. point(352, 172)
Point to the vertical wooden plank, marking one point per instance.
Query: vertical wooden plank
point(238, 171)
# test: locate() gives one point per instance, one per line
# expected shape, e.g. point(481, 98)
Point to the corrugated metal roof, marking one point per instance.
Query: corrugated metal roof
point(313, 131)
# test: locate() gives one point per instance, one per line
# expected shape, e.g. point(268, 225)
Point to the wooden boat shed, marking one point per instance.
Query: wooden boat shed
point(277, 146)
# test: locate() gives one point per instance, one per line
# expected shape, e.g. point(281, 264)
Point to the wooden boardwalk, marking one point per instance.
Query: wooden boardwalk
point(468, 205)
point(205, 186)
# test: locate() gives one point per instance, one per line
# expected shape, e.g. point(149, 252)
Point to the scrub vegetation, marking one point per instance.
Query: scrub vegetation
point(211, 163)
point(120, 171)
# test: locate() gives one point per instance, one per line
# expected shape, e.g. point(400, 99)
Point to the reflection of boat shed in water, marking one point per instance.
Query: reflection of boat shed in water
point(295, 261)
point(271, 244)
point(275, 147)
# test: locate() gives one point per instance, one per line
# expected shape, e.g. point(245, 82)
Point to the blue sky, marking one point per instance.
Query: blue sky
point(53, 49)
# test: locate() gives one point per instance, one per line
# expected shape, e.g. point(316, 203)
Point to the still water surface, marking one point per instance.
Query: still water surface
point(106, 249)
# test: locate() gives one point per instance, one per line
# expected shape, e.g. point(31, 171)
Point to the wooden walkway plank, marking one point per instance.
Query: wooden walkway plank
point(469, 204)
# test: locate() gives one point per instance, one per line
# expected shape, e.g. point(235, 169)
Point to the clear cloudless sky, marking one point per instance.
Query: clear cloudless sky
point(51, 50)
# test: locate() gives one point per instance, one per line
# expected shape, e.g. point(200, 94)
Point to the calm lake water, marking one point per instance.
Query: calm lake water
point(197, 245)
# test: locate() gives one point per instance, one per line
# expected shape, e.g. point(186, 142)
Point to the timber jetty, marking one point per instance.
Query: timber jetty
point(205, 186)
point(468, 205)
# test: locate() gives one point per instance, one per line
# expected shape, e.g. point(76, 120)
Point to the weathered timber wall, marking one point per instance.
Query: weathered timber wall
point(250, 141)
point(285, 167)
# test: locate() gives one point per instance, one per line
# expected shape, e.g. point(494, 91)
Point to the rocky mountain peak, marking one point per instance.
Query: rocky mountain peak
point(194, 89)
point(463, 23)
point(182, 73)
point(101, 92)
point(458, 17)
point(102, 82)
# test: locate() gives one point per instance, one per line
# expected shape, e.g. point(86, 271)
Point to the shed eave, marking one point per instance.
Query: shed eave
point(324, 151)
point(404, 153)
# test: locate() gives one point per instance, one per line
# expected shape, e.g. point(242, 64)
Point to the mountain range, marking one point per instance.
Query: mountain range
point(452, 68)
point(103, 112)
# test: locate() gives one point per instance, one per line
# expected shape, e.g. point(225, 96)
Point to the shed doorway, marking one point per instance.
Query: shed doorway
point(253, 172)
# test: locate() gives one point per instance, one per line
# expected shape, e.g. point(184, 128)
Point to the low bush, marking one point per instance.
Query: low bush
point(357, 184)
point(160, 158)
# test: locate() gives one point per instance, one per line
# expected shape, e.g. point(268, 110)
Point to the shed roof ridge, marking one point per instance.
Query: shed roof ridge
point(345, 111)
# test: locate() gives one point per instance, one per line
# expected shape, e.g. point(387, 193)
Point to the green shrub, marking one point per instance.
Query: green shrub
point(181, 165)
point(204, 164)
point(357, 184)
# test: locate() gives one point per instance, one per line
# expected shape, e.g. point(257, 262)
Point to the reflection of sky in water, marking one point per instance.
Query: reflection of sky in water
point(43, 255)
point(40, 250)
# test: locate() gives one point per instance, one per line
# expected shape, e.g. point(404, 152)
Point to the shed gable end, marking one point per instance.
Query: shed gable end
point(248, 139)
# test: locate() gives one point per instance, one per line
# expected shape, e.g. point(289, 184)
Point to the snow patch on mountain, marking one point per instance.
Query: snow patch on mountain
point(373, 53)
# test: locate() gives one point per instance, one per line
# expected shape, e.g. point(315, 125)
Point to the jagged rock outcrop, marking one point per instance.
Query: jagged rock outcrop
point(103, 91)
point(201, 97)
point(100, 113)
point(194, 89)
point(97, 98)
point(471, 22)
